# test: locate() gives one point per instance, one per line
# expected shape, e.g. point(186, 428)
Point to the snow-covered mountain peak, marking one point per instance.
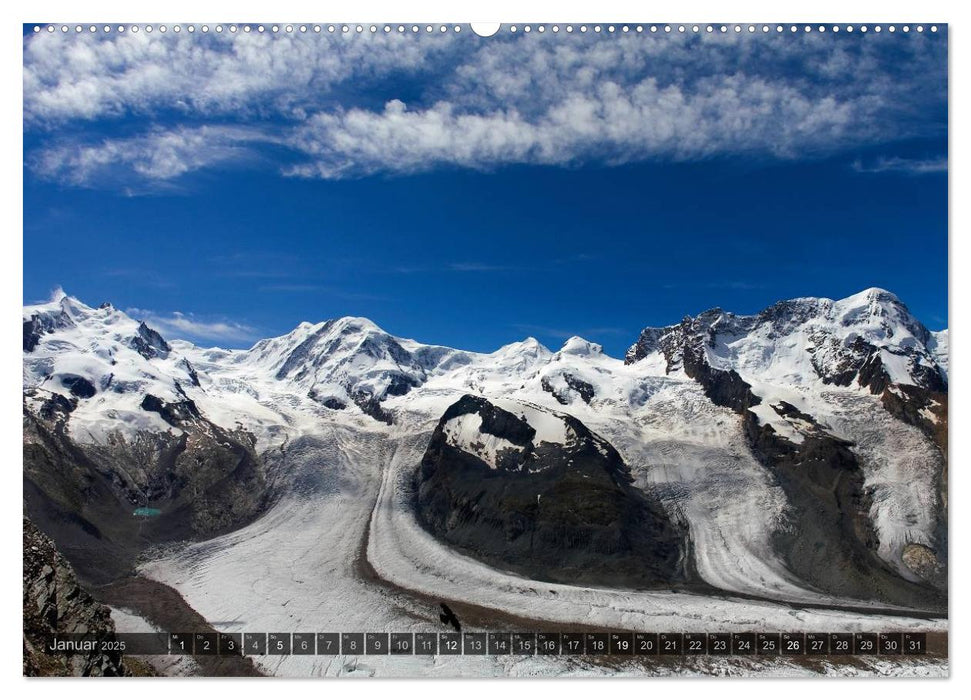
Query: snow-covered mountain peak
point(57, 295)
point(93, 324)
point(527, 343)
point(879, 313)
point(527, 348)
point(74, 308)
point(59, 303)
point(353, 324)
point(62, 310)
point(107, 362)
point(350, 369)
point(308, 340)
point(580, 347)
point(872, 295)
point(868, 339)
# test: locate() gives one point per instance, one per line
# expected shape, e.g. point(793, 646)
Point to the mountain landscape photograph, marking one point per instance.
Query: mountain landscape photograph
point(399, 351)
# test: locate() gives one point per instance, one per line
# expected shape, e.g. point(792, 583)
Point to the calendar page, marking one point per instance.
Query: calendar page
point(403, 350)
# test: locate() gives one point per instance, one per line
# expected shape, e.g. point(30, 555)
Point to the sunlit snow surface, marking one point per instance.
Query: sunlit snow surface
point(298, 569)
point(464, 432)
point(341, 550)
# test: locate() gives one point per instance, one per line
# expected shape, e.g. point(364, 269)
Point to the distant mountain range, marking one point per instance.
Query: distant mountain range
point(799, 454)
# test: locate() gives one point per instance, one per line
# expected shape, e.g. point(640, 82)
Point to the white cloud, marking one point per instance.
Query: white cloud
point(611, 123)
point(177, 325)
point(338, 102)
point(906, 166)
point(158, 155)
point(89, 76)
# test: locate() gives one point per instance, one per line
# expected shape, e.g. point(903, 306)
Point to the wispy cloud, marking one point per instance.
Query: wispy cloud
point(906, 166)
point(612, 122)
point(98, 76)
point(160, 155)
point(178, 325)
point(216, 100)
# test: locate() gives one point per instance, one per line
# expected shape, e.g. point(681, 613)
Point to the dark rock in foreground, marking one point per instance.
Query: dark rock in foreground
point(55, 604)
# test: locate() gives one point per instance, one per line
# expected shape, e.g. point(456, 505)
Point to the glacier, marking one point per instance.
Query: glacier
point(342, 412)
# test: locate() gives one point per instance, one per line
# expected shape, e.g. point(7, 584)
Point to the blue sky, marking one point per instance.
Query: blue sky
point(471, 191)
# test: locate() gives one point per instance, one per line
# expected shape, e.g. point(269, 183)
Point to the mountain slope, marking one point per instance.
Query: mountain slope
point(110, 425)
point(782, 371)
point(56, 605)
point(801, 447)
point(539, 493)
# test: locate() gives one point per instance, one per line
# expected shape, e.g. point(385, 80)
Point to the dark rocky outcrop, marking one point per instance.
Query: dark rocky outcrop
point(331, 402)
point(175, 413)
point(193, 375)
point(149, 343)
point(400, 384)
point(683, 347)
point(548, 387)
point(32, 333)
point(553, 512)
point(39, 324)
point(205, 480)
point(925, 562)
point(862, 362)
point(56, 407)
point(829, 541)
point(583, 389)
point(78, 386)
point(56, 604)
point(371, 406)
point(922, 408)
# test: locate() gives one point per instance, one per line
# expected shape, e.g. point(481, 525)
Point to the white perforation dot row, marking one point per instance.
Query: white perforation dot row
point(513, 28)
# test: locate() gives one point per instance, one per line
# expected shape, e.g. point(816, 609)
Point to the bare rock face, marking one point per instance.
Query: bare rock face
point(56, 604)
point(555, 511)
point(204, 481)
point(845, 342)
point(39, 324)
point(923, 562)
point(149, 343)
point(830, 540)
